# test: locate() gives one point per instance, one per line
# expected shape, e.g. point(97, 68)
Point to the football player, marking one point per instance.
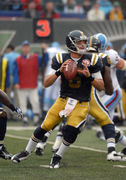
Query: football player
point(74, 95)
point(3, 119)
point(116, 62)
point(97, 108)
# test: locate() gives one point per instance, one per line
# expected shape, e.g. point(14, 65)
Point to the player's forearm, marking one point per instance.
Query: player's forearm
point(121, 64)
point(98, 84)
point(49, 80)
point(5, 100)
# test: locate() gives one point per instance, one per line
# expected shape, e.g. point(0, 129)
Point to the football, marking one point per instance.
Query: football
point(71, 70)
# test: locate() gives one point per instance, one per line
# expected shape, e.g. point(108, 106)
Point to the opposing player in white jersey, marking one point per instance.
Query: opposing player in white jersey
point(112, 101)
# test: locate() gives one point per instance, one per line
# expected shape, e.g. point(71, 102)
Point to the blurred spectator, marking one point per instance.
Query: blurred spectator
point(31, 12)
point(49, 11)
point(72, 7)
point(14, 5)
point(87, 5)
point(59, 5)
point(95, 14)
point(123, 52)
point(37, 2)
point(11, 56)
point(123, 81)
point(116, 13)
point(105, 6)
point(25, 79)
point(4, 5)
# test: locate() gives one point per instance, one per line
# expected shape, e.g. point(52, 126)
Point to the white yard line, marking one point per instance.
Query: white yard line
point(20, 128)
point(120, 166)
point(50, 142)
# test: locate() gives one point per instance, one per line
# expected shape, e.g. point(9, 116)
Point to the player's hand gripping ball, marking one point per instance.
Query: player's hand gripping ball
point(70, 70)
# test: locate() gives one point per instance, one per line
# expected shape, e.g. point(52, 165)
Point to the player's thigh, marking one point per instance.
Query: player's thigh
point(78, 115)
point(52, 117)
point(98, 110)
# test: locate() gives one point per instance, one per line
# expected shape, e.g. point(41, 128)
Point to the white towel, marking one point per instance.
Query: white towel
point(71, 103)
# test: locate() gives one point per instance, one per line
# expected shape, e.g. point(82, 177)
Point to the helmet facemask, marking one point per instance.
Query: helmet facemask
point(79, 48)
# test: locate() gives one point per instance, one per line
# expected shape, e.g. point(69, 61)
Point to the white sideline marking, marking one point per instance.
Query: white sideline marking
point(120, 166)
point(97, 128)
point(45, 166)
point(50, 142)
point(19, 128)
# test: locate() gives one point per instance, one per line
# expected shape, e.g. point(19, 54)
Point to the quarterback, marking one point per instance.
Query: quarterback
point(74, 95)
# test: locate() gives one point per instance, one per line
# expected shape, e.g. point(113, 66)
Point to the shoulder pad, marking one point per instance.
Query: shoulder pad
point(113, 55)
point(102, 55)
point(59, 58)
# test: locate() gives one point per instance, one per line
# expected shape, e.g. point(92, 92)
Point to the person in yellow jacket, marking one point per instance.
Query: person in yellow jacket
point(116, 13)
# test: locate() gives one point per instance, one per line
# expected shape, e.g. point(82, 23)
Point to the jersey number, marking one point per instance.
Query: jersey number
point(75, 83)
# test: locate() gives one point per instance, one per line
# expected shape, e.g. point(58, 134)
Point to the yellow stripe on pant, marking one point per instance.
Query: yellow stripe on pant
point(75, 118)
point(98, 110)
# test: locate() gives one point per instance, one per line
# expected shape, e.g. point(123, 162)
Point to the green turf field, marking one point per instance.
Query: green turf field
point(77, 164)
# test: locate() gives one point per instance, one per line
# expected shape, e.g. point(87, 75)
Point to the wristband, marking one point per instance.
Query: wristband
point(91, 78)
point(58, 73)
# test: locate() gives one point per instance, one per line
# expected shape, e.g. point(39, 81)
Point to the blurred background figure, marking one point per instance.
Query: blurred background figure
point(122, 79)
point(95, 14)
point(38, 3)
point(49, 11)
point(31, 11)
point(105, 6)
point(11, 56)
point(25, 80)
point(72, 7)
point(116, 13)
point(87, 5)
point(14, 5)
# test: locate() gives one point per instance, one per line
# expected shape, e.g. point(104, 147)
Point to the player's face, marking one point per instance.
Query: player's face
point(26, 49)
point(81, 44)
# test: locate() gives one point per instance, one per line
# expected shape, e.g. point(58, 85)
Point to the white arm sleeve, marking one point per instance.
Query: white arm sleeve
point(97, 75)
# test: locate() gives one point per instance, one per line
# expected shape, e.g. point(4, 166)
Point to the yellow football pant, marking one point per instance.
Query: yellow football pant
point(75, 118)
point(98, 110)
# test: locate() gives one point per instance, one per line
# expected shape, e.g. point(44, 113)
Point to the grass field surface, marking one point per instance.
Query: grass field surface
point(77, 163)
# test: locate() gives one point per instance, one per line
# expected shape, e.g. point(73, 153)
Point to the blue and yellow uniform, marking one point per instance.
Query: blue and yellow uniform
point(97, 108)
point(79, 88)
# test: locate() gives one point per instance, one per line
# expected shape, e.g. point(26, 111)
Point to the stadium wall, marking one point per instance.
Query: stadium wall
point(115, 31)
